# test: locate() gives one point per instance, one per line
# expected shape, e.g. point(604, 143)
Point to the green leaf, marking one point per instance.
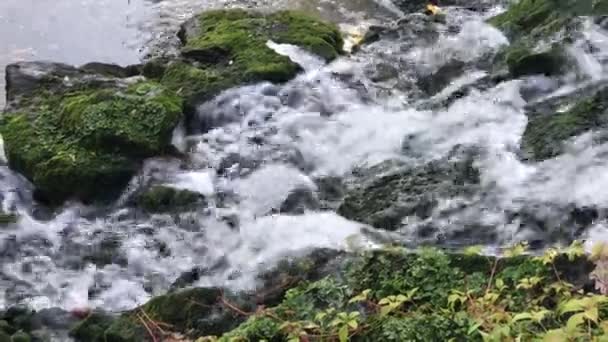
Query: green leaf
point(575, 321)
point(343, 334)
point(592, 314)
point(361, 297)
point(575, 250)
point(573, 305)
point(522, 317)
point(385, 310)
point(473, 250)
point(353, 324)
point(516, 250)
point(473, 328)
point(556, 335)
point(500, 284)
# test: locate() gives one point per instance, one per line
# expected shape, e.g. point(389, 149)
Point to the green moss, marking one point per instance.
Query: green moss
point(531, 18)
point(230, 46)
point(188, 80)
point(21, 337)
point(522, 61)
point(92, 328)
point(241, 36)
point(164, 199)
point(545, 134)
point(195, 312)
point(4, 337)
point(87, 144)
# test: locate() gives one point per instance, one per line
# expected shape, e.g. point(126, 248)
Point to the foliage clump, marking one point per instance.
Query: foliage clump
point(428, 295)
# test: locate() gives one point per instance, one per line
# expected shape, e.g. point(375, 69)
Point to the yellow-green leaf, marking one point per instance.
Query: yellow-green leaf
point(343, 334)
point(523, 316)
point(575, 321)
point(473, 250)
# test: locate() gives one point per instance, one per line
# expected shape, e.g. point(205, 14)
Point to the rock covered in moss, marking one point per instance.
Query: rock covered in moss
point(385, 201)
point(81, 135)
point(549, 127)
point(160, 199)
point(207, 311)
point(523, 61)
point(527, 24)
point(226, 48)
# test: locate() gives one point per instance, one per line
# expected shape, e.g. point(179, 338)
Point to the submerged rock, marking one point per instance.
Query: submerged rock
point(166, 199)
point(385, 201)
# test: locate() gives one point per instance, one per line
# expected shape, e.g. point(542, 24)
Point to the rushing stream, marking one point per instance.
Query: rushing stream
point(268, 143)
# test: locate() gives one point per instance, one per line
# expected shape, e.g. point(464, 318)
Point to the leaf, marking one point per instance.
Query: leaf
point(385, 310)
point(473, 328)
point(384, 301)
point(473, 250)
point(500, 284)
point(353, 324)
point(556, 335)
point(361, 297)
point(573, 305)
point(574, 321)
point(575, 250)
point(411, 292)
point(522, 317)
point(516, 250)
point(343, 334)
point(592, 314)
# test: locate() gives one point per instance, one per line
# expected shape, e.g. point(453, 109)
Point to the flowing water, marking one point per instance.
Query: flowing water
point(269, 142)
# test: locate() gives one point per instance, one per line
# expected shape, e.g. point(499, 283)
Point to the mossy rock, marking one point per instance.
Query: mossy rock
point(531, 19)
point(161, 199)
point(546, 132)
point(227, 48)
point(386, 201)
point(194, 312)
point(240, 36)
point(21, 337)
point(523, 62)
point(7, 219)
point(87, 143)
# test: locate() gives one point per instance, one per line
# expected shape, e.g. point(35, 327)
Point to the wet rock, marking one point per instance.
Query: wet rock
point(386, 200)
point(435, 82)
point(65, 131)
point(206, 311)
point(549, 127)
point(226, 48)
point(299, 201)
point(384, 72)
point(163, 199)
point(523, 62)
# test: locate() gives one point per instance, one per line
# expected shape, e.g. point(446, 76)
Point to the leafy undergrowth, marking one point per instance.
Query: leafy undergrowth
point(429, 295)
